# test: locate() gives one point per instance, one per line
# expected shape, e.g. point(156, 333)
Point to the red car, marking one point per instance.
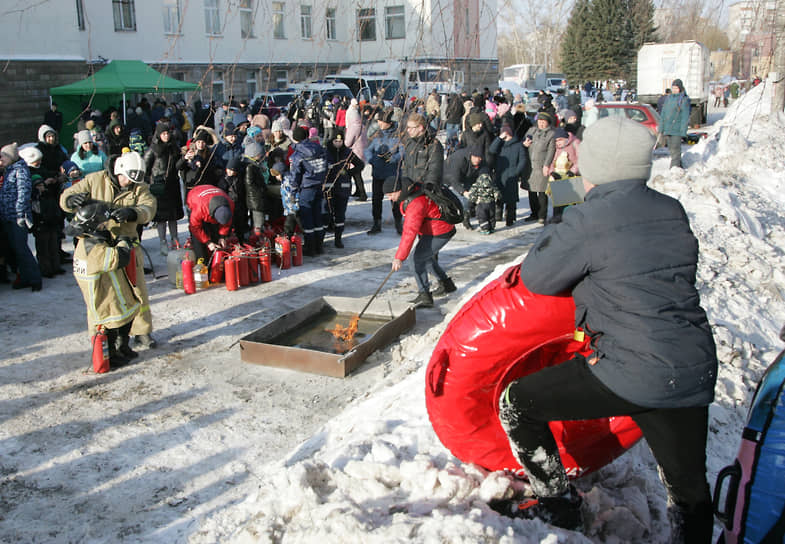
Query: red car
point(642, 113)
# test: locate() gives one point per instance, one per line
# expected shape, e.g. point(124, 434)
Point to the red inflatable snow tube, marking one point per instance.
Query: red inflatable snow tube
point(502, 333)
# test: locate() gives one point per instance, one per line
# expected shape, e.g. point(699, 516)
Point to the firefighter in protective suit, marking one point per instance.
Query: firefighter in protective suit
point(122, 188)
point(100, 263)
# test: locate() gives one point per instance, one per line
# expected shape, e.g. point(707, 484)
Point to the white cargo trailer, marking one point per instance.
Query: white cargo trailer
point(660, 63)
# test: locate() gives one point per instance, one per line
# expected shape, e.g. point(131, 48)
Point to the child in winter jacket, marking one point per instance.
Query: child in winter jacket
point(233, 184)
point(484, 193)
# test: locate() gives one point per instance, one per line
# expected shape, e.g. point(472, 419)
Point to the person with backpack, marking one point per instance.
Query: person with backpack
point(421, 217)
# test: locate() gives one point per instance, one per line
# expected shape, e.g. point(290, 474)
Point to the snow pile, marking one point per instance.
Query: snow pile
point(378, 473)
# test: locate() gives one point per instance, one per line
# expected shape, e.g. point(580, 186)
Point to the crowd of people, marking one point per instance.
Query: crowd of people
point(236, 171)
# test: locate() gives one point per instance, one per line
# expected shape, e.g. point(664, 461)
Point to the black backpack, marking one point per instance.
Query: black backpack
point(448, 202)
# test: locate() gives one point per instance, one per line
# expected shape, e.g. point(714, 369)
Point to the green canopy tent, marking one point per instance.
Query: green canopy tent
point(109, 87)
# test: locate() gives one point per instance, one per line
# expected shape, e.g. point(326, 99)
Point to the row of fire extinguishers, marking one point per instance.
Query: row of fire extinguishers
point(244, 264)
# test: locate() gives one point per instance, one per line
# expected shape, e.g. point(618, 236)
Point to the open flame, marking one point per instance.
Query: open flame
point(345, 333)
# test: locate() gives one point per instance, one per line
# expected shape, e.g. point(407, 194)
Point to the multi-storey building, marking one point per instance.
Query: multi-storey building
point(232, 48)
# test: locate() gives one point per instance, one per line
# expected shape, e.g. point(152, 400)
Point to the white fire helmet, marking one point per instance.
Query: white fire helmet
point(131, 166)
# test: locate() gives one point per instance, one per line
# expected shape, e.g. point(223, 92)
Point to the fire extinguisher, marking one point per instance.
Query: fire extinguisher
point(242, 269)
point(283, 250)
point(265, 266)
point(187, 266)
point(297, 250)
point(100, 351)
point(230, 271)
point(252, 259)
point(130, 268)
point(255, 239)
point(217, 266)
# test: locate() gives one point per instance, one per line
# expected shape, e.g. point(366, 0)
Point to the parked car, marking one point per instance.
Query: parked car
point(273, 102)
point(642, 113)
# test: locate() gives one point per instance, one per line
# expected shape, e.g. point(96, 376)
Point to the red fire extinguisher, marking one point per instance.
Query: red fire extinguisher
point(189, 285)
point(269, 234)
point(297, 250)
point(230, 271)
point(217, 266)
point(130, 268)
point(265, 266)
point(242, 269)
point(252, 258)
point(283, 250)
point(100, 351)
point(255, 239)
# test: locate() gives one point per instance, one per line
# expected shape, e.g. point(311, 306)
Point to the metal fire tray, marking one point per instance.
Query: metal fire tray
point(272, 344)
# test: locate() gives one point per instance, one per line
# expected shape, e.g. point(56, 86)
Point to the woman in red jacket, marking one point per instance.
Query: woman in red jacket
point(421, 216)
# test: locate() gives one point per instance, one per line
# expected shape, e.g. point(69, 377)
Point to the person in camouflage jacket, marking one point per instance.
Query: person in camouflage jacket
point(484, 193)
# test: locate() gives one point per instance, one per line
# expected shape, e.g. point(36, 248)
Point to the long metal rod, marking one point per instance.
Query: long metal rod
point(387, 277)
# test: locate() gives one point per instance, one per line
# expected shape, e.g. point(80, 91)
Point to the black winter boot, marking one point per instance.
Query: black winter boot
point(376, 228)
point(510, 219)
point(467, 223)
point(116, 359)
point(423, 300)
point(319, 242)
point(145, 341)
point(338, 235)
point(309, 245)
point(499, 210)
point(124, 348)
point(445, 287)
point(562, 511)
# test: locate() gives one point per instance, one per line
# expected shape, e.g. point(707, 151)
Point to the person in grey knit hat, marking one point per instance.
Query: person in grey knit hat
point(629, 259)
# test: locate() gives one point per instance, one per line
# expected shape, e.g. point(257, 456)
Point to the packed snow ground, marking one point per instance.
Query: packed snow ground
point(192, 445)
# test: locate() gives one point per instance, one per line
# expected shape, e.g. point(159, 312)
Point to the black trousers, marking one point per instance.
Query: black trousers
point(486, 215)
point(570, 391)
point(538, 202)
point(377, 200)
point(200, 250)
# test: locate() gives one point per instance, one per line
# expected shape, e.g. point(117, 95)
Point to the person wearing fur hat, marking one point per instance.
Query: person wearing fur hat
point(16, 215)
point(121, 185)
point(541, 145)
point(87, 156)
point(161, 172)
point(198, 165)
point(116, 137)
point(307, 174)
point(54, 154)
point(629, 259)
point(674, 120)
point(280, 139)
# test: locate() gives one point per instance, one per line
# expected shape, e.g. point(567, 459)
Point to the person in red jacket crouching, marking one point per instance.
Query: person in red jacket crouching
point(421, 216)
point(211, 219)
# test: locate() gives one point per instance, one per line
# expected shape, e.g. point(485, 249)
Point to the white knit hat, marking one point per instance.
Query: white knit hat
point(83, 137)
point(31, 154)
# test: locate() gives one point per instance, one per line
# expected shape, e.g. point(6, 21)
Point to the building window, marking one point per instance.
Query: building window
point(281, 79)
point(366, 25)
point(329, 15)
point(212, 19)
point(80, 14)
point(124, 15)
point(246, 19)
point(394, 23)
point(250, 86)
point(218, 87)
point(278, 21)
point(305, 22)
point(466, 22)
point(171, 16)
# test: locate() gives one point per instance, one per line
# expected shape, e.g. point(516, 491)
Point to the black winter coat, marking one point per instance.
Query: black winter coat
point(512, 162)
point(200, 170)
point(423, 159)
point(161, 166)
point(256, 177)
point(469, 139)
point(629, 258)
